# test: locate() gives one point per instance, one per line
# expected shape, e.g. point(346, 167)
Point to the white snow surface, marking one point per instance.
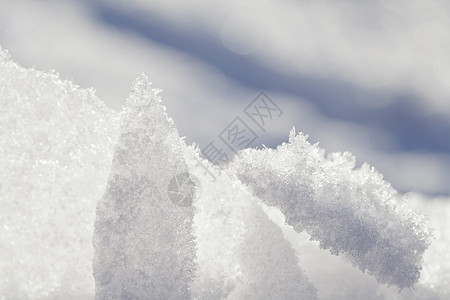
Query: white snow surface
point(60, 144)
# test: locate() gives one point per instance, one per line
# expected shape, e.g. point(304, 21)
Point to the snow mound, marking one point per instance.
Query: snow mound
point(144, 245)
point(350, 211)
point(55, 157)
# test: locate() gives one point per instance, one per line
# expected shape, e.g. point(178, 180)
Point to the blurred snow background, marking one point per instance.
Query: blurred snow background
point(371, 77)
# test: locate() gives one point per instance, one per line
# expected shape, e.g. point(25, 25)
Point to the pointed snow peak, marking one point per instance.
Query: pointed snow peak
point(146, 126)
point(143, 241)
point(144, 108)
point(142, 92)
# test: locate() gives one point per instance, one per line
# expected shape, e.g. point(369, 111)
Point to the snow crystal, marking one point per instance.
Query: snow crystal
point(55, 156)
point(241, 253)
point(144, 246)
point(349, 211)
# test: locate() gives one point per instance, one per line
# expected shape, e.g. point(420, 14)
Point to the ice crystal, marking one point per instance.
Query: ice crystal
point(350, 211)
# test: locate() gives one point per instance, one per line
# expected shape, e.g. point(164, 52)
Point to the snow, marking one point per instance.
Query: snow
point(349, 211)
point(68, 161)
point(144, 243)
point(241, 254)
point(56, 149)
